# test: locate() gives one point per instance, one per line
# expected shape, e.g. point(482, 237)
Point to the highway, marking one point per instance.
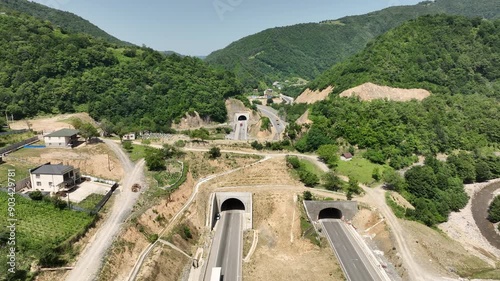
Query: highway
point(354, 262)
point(270, 113)
point(227, 247)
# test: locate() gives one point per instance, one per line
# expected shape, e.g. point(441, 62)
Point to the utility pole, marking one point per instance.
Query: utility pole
point(109, 165)
point(7, 118)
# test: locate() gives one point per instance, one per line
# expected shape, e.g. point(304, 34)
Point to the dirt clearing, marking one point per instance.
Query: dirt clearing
point(50, 124)
point(370, 91)
point(309, 96)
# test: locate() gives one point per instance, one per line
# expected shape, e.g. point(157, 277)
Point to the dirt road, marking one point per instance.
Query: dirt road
point(90, 261)
point(480, 205)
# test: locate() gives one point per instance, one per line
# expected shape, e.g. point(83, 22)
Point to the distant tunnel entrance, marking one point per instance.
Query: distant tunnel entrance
point(242, 118)
point(232, 204)
point(330, 213)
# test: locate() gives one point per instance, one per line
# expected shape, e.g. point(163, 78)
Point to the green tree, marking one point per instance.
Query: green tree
point(329, 154)
point(307, 195)
point(421, 181)
point(127, 145)
point(353, 186)
point(393, 180)
point(464, 165)
point(376, 174)
point(483, 172)
point(214, 153)
point(154, 160)
point(494, 210)
point(332, 182)
point(87, 131)
point(309, 179)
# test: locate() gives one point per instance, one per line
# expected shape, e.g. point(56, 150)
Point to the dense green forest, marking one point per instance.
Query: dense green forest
point(65, 20)
point(44, 70)
point(455, 57)
point(306, 50)
point(443, 54)
point(436, 188)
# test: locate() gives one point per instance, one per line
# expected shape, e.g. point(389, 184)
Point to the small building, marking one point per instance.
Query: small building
point(61, 138)
point(54, 178)
point(130, 136)
point(268, 93)
point(346, 156)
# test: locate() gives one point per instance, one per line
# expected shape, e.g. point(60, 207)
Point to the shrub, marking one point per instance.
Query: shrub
point(307, 195)
point(494, 210)
point(214, 152)
point(36, 195)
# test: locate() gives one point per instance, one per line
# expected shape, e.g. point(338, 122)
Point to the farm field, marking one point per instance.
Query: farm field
point(41, 232)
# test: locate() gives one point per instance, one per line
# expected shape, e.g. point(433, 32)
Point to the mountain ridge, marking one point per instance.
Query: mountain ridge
point(306, 50)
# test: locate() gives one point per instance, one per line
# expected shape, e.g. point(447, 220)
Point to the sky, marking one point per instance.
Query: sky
point(199, 27)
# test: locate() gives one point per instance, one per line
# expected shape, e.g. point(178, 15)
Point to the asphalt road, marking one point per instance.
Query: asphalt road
point(270, 113)
point(227, 247)
point(356, 265)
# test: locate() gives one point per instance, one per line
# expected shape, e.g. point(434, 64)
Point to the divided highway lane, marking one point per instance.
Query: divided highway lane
point(273, 116)
point(356, 265)
point(227, 247)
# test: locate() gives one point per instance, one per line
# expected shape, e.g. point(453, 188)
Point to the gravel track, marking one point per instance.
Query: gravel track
point(91, 259)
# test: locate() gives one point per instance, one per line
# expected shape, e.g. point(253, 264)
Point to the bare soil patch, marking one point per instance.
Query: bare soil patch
point(50, 124)
point(94, 159)
point(277, 257)
point(370, 91)
point(309, 96)
point(304, 119)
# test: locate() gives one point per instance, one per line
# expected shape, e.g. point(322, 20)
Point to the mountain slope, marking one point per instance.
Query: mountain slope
point(443, 54)
point(66, 20)
point(306, 50)
point(45, 71)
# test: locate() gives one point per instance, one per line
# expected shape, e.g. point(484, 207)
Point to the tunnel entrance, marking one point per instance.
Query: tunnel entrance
point(242, 118)
point(330, 213)
point(232, 204)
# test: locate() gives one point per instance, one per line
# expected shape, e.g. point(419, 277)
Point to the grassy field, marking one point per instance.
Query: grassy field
point(40, 228)
point(11, 139)
point(90, 202)
point(170, 176)
point(20, 168)
point(360, 169)
point(138, 152)
point(311, 167)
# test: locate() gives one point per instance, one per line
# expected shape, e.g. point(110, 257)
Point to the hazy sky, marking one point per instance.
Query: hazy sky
point(199, 27)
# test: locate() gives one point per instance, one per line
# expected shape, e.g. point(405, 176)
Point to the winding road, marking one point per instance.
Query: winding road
point(91, 259)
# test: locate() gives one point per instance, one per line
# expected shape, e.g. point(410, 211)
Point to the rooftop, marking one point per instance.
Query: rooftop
point(63, 133)
point(52, 169)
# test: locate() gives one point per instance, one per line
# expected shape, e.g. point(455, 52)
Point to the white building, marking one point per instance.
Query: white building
point(61, 138)
point(54, 178)
point(130, 136)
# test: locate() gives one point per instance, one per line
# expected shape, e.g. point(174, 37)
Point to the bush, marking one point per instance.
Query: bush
point(36, 195)
point(494, 210)
point(293, 161)
point(186, 233)
point(214, 152)
point(307, 195)
point(309, 179)
point(180, 143)
point(257, 145)
point(127, 145)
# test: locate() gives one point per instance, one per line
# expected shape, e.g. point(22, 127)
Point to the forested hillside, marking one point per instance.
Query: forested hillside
point(45, 70)
point(443, 54)
point(457, 58)
point(306, 50)
point(65, 20)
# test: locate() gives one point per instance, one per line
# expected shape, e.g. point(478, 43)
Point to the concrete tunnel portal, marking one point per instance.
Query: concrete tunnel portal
point(242, 118)
point(330, 213)
point(232, 204)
